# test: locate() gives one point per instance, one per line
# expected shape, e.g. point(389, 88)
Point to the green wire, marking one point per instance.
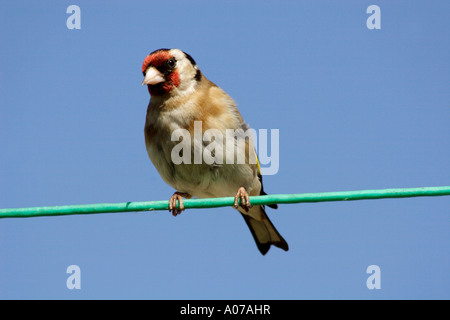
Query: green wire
point(225, 202)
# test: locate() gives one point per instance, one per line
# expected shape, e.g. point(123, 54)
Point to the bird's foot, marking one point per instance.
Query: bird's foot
point(245, 199)
point(173, 202)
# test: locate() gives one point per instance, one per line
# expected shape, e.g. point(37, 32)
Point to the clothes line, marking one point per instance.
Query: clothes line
point(225, 202)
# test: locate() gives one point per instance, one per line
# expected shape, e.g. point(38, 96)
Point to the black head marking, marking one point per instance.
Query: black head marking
point(190, 59)
point(198, 74)
point(157, 50)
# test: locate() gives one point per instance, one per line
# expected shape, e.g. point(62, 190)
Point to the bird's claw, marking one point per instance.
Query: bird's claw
point(173, 202)
point(245, 199)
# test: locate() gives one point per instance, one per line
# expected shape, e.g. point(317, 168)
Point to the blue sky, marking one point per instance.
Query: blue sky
point(356, 109)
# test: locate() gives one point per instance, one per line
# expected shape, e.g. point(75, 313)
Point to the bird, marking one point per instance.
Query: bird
point(181, 99)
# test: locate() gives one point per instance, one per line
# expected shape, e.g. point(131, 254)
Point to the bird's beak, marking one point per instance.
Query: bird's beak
point(153, 76)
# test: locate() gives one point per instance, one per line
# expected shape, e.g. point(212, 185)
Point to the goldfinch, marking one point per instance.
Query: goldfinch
point(184, 100)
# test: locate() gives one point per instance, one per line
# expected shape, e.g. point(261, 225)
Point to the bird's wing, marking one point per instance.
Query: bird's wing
point(262, 192)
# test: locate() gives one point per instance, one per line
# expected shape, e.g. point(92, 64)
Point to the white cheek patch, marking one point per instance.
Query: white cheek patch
point(186, 71)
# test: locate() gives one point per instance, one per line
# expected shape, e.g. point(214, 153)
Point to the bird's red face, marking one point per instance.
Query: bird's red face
point(160, 72)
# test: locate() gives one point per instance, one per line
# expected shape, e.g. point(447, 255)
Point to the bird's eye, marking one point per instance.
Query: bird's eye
point(171, 62)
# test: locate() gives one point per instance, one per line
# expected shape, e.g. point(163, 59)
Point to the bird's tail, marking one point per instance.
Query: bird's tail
point(263, 230)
